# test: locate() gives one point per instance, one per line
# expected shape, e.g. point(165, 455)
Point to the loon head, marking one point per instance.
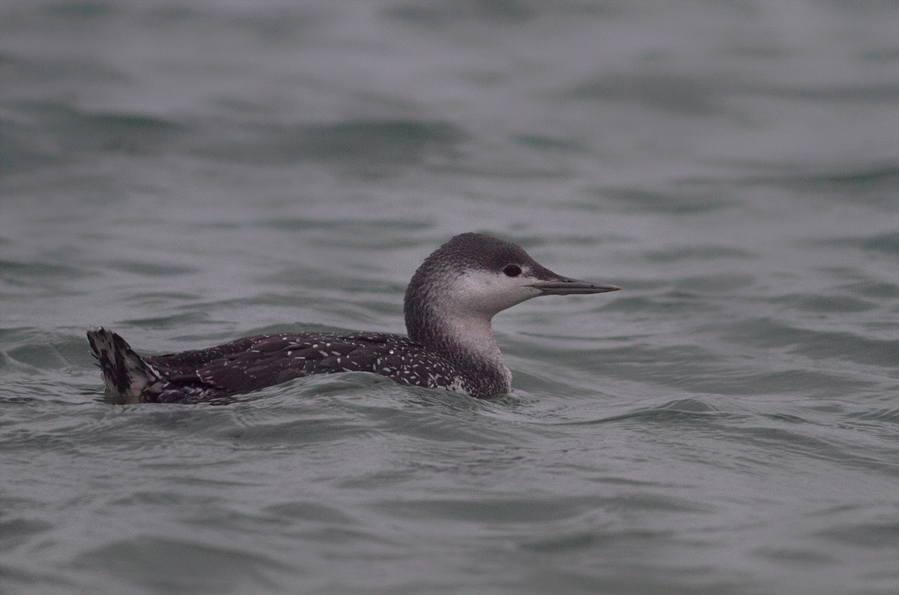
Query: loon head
point(457, 290)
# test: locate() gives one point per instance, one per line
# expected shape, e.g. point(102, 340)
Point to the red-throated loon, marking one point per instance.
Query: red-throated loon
point(448, 307)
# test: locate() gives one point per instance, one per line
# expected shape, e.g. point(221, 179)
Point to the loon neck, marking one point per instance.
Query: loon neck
point(465, 339)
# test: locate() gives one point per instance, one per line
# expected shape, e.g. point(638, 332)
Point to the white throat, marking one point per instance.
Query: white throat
point(466, 309)
point(474, 335)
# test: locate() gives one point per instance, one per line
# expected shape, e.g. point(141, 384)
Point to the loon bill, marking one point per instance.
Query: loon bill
point(448, 306)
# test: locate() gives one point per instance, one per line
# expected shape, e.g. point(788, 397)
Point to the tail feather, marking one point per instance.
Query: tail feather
point(125, 373)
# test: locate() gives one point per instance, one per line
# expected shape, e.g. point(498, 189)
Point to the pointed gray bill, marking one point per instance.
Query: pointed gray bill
point(566, 286)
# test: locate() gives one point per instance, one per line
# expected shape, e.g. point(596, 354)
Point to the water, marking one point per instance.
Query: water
point(190, 173)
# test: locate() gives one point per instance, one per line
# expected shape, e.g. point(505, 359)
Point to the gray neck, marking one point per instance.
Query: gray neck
point(463, 338)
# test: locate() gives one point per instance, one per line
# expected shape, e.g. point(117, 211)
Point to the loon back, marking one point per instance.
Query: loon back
point(253, 363)
point(448, 307)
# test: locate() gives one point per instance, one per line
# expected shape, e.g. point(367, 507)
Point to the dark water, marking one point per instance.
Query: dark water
point(187, 173)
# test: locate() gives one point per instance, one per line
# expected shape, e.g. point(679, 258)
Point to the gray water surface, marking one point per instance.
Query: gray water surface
point(189, 173)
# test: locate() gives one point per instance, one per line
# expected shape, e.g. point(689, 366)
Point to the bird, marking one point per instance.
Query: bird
point(448, 308)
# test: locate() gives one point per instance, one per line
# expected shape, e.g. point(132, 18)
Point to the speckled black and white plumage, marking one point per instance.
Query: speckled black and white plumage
point(252, 363)
point(448, 307)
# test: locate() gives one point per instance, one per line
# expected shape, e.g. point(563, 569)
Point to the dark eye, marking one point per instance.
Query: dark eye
point(512, 270)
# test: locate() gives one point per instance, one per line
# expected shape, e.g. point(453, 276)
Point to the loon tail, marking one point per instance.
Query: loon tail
point(125, 373)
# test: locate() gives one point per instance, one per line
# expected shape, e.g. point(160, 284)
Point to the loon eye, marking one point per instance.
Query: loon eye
point(512, 270)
